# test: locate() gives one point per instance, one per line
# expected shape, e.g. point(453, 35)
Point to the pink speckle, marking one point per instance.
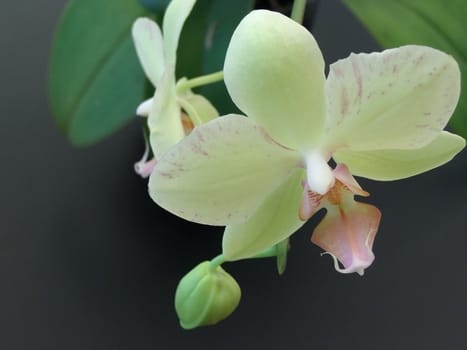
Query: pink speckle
point(344, 101)
point(200, 136)
point(338, 72)
point(167, 175)
point(196, 148)
point(419, 59)
point(358, 78)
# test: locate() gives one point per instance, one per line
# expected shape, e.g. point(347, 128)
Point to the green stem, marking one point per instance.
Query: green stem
point(200, 81)
point(298, 10)
point(216, 262)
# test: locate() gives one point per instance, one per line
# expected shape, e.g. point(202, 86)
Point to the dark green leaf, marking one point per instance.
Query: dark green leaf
point(95, 80)
point(437, 23)
point(222, 20)
point(154, 5)
point(204, 42)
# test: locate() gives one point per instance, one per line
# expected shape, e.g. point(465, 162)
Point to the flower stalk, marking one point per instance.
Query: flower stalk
point(298, 10)
point(200, 81)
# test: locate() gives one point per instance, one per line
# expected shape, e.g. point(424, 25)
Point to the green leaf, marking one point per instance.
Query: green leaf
point(436, 23)
point(222, 20)
point(95, 80)
point(204, 42)
point(155, 5)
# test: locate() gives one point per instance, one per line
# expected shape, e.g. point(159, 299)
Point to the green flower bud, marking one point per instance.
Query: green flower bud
point(205, 296)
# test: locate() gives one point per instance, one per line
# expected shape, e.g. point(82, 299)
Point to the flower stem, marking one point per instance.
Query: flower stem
point(298, 10)
point(216, 262)
point(202, 80)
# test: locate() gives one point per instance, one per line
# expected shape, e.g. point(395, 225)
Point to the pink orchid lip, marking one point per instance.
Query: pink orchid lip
point(348, 230)
point(347, 234)
point(357, 265)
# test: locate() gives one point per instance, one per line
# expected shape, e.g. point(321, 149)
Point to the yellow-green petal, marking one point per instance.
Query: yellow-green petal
point(397, 99)
point(148, 42)
point(221, 172)
point(275, 220)
point(174, 18)
point(387, 165)
point(274, 72)
point(165, 126)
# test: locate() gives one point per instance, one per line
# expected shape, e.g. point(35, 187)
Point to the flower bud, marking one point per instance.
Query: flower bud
point(206, 296)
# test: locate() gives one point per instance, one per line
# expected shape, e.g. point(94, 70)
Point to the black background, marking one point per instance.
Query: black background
point(88, 261)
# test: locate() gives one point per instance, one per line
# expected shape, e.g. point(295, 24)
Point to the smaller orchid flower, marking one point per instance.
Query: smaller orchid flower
point(172, 112)
point(378, 115)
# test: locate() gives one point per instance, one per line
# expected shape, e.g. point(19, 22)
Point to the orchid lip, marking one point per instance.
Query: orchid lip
point(358, 265)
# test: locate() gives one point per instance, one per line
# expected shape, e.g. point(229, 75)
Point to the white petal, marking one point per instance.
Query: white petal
point(145, 107)
point(164, 122)
point(274, 72)
point(275, 219)
point(398, 99)
point(175, 16)
point(387, 165)
point(149, 47)
point(221, 172)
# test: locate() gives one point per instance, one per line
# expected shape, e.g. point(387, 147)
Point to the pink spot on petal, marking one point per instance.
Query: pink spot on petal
point(358, 77)
point(344, 101)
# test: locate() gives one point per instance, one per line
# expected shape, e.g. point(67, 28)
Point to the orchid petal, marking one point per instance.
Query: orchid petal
point(274, 72)
point(198, 108)
point(274, 220)
point(343, 174)
point(221, 172)
point(347, 233)
point(145, 107)
point(164, 122)
point(387, 165)
point(311, 203)
point(397, 99)
point(149, 47)
point(174, 18)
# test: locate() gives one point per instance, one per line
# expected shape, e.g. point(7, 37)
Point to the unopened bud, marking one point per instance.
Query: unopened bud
point(206, 296)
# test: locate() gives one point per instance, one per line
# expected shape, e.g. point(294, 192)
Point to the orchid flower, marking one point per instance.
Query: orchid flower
point(378, 115)
point(171, 114)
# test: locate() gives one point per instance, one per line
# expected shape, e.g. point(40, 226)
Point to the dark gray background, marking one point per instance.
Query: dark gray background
point(87, 261)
